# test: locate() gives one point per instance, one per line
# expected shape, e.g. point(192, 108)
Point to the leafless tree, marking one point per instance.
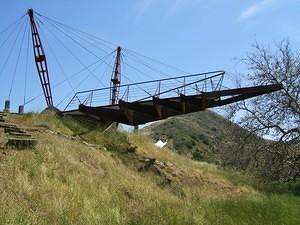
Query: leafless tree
point(275, 116)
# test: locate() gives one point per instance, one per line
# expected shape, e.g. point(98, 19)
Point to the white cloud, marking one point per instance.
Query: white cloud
point(255, 8)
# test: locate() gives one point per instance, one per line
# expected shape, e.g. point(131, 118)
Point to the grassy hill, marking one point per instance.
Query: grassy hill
point(197, 134)
point(80, 175)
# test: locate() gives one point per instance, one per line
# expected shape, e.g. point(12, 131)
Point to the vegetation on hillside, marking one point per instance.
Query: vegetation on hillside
point(198, 135)
point(79, 175)
point(275, 116)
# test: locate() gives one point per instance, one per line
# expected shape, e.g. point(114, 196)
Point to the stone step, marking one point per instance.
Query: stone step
point(17, 137)
point(19, 134)
point(21, 143)
point(4, 124)
point(13, 130)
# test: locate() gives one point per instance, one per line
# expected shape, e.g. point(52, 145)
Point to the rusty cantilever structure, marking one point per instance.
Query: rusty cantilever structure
point(164, 103)
point(148, 101)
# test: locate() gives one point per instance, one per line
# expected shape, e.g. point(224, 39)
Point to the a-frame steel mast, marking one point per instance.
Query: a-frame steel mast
point(40, 59)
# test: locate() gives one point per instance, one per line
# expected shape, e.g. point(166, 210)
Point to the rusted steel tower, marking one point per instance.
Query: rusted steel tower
point(116, 78)
point(40, 59)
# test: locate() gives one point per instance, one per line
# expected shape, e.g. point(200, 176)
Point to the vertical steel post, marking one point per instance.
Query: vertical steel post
point(7, 106)
point(40, 59)
point(116, 78)
point(92, 94)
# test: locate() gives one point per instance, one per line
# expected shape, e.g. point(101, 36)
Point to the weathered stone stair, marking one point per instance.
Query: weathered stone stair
point(16, 137)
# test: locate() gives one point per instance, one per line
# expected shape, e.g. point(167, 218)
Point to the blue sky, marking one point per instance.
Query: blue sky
point(194, 35)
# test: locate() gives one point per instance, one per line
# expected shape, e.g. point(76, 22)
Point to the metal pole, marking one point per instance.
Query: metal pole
point(116, 78)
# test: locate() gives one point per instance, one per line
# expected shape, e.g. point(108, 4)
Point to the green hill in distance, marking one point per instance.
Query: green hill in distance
point(197, 135)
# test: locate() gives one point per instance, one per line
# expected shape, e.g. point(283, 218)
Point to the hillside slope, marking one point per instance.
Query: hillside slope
point(197, 134)
point(79, 175)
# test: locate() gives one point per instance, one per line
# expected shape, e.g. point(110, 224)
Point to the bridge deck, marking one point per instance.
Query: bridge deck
point(141, 112)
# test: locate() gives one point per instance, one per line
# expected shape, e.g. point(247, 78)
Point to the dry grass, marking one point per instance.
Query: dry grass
point(64, 181)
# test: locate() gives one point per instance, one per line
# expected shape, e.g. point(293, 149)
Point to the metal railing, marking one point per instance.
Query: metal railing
point(164, 88)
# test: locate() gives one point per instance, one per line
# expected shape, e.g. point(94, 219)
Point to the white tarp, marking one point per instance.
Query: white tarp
point(160, 144)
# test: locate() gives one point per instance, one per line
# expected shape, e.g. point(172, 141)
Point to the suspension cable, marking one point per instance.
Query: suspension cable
point(157, 61)
point(11, 50)
point(80, 31)
point(82, 81)
point(10, 35)
point(83, 38)
point(67, 35)
point(17, 62)
point(77, 42)
point(148, 66)
point(26, 68)
point(57, 61)
point(71, 53)
point(77, 86)
point(12, 25)
point(63, 81)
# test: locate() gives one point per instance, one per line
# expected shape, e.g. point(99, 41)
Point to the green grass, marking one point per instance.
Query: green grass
point(274, 209)
point(64, 181)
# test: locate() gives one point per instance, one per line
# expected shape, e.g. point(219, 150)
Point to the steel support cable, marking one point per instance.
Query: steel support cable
point(137, 70)
point(110, 43)
point(75, 96)
point(99, 59)
point(80, 60)
point(26, 67)
point(63, 81)
point(133, 82)
point(17, 62)
point(157, 61)
point(180, 82)
point(78, 85)
point(148, 66)
point(108, 65)
point(71, 53)
point(93, 54)
point(77, 42)
point(79, 72)
point(11, 51)
point(57, 61)
point(82, 81)
point(12, 25)
point(83, 32)
point(55, 86)
point(143, 56)
point(151, 67)
point(10, 34)
point(80, 37)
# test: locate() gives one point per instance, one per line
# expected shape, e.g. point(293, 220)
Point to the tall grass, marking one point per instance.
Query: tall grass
point(64, 181)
